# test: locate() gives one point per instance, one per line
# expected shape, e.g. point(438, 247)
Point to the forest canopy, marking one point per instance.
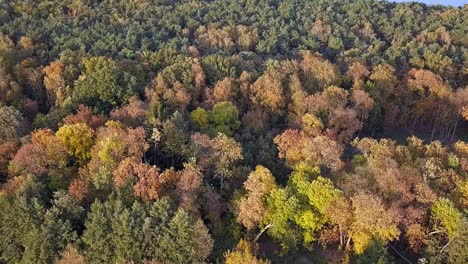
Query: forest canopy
point(249, 131)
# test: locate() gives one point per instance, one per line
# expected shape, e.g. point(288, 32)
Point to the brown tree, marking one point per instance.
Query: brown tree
point(344, 123)
point(55, 83)
point(251, 207)
point(267, 92)
point(85, 115)
point(224, 90)
point(318, 73)
point(46, 154)
point(133, 114)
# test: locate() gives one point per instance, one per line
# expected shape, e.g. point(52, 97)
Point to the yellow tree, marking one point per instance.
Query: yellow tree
point(372, 221)
point(267, 92)
point(79, 139)
point(318, 73)
point(55, 83)
point(243, 254)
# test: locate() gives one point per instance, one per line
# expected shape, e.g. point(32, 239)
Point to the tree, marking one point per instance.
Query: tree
point(79, 139)
point(243, 253)
point(224, 90)
point(447, 241)
point(133, 114)
point(363, 103)
point(7, 153)
point(86, 116)
point(186, 239)
point(143, 177)
point(296, 147)
point(227, 153)
point(344, 123)
point(335, 98)
point(199, 118)
point(45, 155)
point(314, 194)
point(174, 136)
point(188, 185)
point(281, 209)
point(59, 227)
point(340, 213)
point(10, 90)
point(54, 83)
point(267, 92)
point(104, 83)
point(71, 255)
point(218, 67)
point(21, 217)
point(318, 73)
point(251, 207)
point(296, 109)
point(114, 143)
point(372, 221)
point(98, 234)
point(10, 122)
point(384, 85)
point(224, 118)
point(447, 217)
point(37, 234)
point(358, 72)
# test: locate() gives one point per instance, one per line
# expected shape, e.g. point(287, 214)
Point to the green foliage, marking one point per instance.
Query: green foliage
point(281, 210)
point(119, 233)
point(33, 233)
point(218, 67)
point(315, 193)
point(224, 118)
point(10, 121)
point(105, 84)
point(259, 81)
point(174, 135)
point(376, 253)
point(447, 217)
point(199, 118)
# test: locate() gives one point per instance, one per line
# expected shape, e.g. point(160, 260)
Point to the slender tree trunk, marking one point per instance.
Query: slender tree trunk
point(454, 129)
point(341, 237)
point(263, 231)
point(347, 243)
point(413, 125)
point(435, 123)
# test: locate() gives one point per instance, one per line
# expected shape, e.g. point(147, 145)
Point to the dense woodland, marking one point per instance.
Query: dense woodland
point(247, 131)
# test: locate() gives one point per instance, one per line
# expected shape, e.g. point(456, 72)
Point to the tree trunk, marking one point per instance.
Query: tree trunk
point(347, 243)
point(435, 124)
point(261, 232)
point(454, 129)
point(341, 237)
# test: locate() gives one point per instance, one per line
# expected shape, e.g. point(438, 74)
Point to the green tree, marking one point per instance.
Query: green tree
point(199, 118)
point(98, 234)
point(34, 234)
point(281, 209)
point(224, 118)
point(104, 84)
point(447, 217)
point(10, 121)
